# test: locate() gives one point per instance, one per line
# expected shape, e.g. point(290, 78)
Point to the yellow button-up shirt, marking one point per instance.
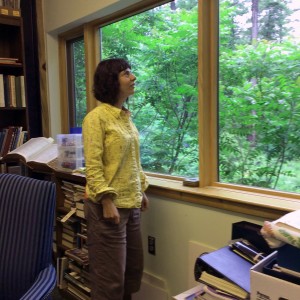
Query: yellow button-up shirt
point(112, 156)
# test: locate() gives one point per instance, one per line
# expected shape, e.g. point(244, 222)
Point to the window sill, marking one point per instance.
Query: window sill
point(255, 204)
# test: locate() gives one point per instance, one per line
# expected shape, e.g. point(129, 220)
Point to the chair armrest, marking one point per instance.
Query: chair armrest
point(43, 285)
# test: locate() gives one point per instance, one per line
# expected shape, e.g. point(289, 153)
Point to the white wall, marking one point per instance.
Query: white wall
point(177, 226)
point(60, 16)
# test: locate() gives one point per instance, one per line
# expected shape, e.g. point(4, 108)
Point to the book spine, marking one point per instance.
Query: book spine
point(2, 100)
point(9, 11)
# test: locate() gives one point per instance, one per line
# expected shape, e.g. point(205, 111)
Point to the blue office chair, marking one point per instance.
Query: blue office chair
point(27, 208)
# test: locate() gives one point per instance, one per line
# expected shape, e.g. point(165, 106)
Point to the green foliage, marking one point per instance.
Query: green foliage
point(161, 46)
point(80, 81)
point(261, 100)
point(259, 91)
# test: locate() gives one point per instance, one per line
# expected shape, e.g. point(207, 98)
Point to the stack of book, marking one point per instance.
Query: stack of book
point(77, 275)
point(68, 190)
point(77, 285)
point(73, 268)
point(70, 228)
point(74, 195)
point(224, 274)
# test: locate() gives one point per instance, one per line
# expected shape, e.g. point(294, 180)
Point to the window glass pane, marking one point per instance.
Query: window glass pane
point(259, 93)
point(79, 87)
point(161, 46)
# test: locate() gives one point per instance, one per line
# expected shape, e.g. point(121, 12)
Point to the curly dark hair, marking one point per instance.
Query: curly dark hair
point(106, 79)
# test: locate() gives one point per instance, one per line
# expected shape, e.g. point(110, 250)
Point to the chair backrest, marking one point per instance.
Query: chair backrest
point(27, 208)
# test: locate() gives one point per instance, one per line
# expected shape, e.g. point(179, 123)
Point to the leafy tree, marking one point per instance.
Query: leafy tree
point(165, 105)
point(80, 81)
point(274, 20)
point(259, 89)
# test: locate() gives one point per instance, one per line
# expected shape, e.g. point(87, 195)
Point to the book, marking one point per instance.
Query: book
point(74, 291)
point(80, 255)
point(246, 250)
point(83, 272)
point(22, 91)
point(36, 153)
point(68, 244)
point(78, 281)
point(9, 61)
point(2, 100)
point(223, 285)
point(290, 221)
point(6, 90)
point(18, 91)
point(7, 141)
point(212, 294)
point(12, 90)
point(62, 266)
point(224, 270)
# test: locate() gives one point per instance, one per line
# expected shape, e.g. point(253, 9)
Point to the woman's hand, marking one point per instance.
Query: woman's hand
point(109, 210)
point(145, 202)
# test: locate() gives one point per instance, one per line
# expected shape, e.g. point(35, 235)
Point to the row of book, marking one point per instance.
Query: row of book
point(15, 4)
point(74, 195)
point(11, 138)
point(8, 11)
point(12, 91)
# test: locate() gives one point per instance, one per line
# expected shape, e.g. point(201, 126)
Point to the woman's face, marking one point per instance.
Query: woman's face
point(126, 80)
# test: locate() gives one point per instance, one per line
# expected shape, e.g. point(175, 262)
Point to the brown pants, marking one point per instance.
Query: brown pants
point(115, 252)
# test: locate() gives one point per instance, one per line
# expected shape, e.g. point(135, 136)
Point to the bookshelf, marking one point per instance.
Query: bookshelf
point(70, 244)
point(20, 103)
point(12, 73)
point(13, 106)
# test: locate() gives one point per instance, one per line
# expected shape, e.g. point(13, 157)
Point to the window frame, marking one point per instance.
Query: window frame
point(71, 85)
point(235, 198)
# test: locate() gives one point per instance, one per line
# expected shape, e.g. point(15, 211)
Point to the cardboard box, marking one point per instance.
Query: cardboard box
point(266, 287)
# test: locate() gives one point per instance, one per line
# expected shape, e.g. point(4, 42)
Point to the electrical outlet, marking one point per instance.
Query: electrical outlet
point(151, 245)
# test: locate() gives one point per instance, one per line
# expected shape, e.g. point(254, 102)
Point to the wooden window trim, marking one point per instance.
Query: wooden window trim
point(257, 202)
point(254, 202)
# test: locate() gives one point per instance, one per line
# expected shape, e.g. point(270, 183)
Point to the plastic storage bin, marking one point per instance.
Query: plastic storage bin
point(69, 140)
point(70, 151)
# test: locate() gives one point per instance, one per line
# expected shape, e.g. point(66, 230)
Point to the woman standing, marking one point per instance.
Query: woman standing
point(115, 186)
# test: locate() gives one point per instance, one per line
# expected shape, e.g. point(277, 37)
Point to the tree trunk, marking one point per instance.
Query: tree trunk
point(254, 18)
point(173, 5)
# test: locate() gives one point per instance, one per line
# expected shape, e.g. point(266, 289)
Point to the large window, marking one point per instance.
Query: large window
point(259, 94)
point(218, 88)
point(161, 46)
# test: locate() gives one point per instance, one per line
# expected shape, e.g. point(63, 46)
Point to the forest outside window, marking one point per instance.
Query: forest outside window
point(259, 94)
point(161, 46)
point(77, 86)
point(257, 107)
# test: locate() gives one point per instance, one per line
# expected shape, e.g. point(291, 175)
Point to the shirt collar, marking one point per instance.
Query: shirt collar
point(117, 112)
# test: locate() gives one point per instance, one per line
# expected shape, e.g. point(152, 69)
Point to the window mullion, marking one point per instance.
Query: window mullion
point(207, 60)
